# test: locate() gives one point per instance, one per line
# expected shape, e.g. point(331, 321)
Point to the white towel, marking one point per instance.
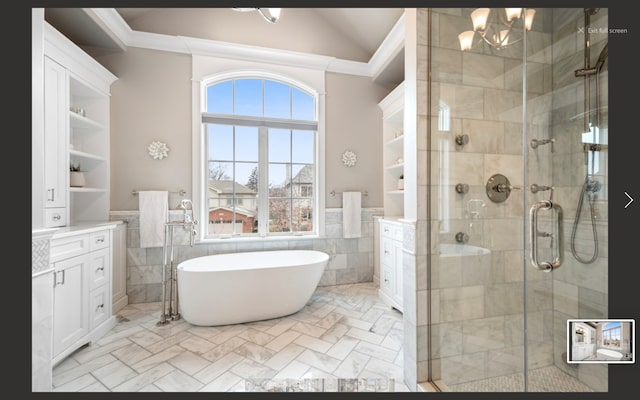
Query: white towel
point(154, 211)
point(351, 207)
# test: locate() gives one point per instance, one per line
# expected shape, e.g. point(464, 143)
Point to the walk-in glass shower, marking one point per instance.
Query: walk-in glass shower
point(518, 186)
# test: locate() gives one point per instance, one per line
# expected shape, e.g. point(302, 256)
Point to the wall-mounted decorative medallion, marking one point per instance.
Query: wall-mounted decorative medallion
point(158, 150)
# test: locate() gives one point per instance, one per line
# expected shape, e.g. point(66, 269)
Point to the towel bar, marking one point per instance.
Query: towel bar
point(333, 193)
point(180, 192)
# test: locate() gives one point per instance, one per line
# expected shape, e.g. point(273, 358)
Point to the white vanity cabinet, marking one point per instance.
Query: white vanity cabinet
point(390, 248)
point(70, 294)
point(81, 259)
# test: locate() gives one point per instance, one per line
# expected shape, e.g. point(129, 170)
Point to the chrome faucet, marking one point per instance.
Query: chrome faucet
point(535, 188)
point(188, 220)
point(186, 204)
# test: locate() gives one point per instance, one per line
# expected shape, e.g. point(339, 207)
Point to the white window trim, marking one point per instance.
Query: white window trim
point(206, 70)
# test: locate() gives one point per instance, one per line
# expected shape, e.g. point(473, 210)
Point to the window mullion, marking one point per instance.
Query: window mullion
point(263, 181)
point(291, 184)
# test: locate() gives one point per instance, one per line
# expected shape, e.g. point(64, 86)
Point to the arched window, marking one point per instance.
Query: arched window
point(260, 151)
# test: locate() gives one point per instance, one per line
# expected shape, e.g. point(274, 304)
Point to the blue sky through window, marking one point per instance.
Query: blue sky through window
point(259, 97)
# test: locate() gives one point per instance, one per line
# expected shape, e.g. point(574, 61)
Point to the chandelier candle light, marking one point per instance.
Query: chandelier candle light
point(496, 32)
point(269, 14)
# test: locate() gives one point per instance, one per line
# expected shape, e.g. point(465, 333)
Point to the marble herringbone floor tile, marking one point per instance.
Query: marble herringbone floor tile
point(344, 337)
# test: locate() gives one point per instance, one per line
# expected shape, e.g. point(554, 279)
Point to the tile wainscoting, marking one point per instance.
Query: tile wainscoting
point(351, 260)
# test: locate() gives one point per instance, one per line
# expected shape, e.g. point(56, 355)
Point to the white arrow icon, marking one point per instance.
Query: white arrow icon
point(630, 199)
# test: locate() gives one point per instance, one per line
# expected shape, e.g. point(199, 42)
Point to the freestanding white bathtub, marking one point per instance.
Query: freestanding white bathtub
point(606, 354)
point(243, 287)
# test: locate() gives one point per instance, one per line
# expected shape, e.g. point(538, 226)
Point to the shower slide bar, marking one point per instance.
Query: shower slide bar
point(534, 234)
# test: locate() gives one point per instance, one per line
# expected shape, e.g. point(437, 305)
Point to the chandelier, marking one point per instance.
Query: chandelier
point(269, 14)
point(494, 28)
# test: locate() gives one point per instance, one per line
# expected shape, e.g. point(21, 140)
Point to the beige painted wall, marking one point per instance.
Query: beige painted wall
point(354, 122)
point(151, 100)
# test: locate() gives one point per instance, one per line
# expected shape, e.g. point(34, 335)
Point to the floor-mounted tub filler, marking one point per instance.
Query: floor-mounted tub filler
point(243, 287)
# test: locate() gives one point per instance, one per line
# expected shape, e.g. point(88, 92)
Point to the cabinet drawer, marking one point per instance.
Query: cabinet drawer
point(98, 240)
point(55, 217)
point(68, 247)
point(385, 229)
point(99, 306)
point(386, 279)
point(99, 268)
point(386, 251)
point(389, 230)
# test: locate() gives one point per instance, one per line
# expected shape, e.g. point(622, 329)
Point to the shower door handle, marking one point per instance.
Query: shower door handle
point(545, 266)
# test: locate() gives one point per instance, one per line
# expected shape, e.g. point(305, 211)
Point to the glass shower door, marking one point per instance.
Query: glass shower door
point(566, 141)
point(508, 147)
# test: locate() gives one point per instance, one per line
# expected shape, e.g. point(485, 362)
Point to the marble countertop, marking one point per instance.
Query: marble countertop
point(85, 227)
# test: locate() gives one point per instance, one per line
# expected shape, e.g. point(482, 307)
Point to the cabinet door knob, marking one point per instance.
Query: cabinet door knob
point(56, 217)
point(100, 269)
point(99, 307)
point(100, 240)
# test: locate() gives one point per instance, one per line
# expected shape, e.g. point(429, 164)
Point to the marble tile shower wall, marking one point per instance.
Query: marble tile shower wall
point(477, 305)
point(351, 260)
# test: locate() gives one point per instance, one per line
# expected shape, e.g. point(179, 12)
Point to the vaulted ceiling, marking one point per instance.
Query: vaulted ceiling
point(352, 34)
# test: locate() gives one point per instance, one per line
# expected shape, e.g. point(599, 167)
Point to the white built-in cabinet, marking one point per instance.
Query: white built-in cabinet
point(76, 97)
point(70, 318)
point(393, 143)
point(76, 131)
point(390, 229)
point(390, 233)
point(55, 154)
point(81, 260)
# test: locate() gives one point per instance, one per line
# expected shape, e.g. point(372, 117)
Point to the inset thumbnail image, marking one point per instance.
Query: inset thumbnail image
point(601, 341)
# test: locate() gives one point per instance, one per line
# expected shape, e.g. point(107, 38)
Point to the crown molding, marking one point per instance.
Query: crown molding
point(59, 47)
point(235, 51)
point(392, 44)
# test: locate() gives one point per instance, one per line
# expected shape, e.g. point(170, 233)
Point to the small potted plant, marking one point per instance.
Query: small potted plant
point(76, 177)
point(401, 182)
